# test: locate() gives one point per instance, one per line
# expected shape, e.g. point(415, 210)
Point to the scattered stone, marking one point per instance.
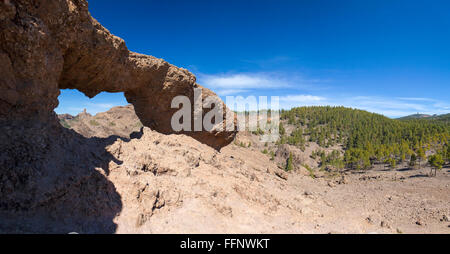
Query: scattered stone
point(142, 218)
point(343, 180)
point(334, 233)
point(307, 193)
point(444, 218)
point(384, 224)
point(281, 174)
point(419, 223)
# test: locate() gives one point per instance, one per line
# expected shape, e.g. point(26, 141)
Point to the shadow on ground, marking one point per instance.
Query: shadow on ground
point(419, 175)
point(53, 180)
point(405, 169)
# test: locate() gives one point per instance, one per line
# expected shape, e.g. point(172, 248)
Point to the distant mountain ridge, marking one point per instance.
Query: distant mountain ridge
point(445, 117)
point(119, 121)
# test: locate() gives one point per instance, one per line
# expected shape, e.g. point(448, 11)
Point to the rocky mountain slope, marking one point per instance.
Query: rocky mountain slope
point(174, 184)
point(103, 175)
point(53, 179)
point(118, 121)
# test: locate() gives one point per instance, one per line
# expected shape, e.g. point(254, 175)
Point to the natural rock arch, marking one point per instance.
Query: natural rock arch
point(51, 178)
point(51, 45)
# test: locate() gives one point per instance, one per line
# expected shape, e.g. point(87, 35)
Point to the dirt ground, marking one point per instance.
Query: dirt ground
point(380, 201)
point(174, 184)
point(240, 190)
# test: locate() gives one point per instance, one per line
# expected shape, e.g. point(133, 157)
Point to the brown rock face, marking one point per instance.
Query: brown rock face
point(51, 178)
point(55, 44)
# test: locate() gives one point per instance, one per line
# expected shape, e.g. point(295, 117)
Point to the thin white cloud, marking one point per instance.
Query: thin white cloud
point(238, 83)
point(226, 92)
point(243, 81)
point(415, 99)
point(298, 100)
point(391, 107)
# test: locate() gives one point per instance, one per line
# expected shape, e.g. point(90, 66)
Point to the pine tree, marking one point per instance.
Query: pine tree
point(436, 162)
point(289, 165)
point(392, 163)
point(412, 160)
point(421, 155)
point(282, 129)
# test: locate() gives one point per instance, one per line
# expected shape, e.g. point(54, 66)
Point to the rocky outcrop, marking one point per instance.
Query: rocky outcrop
point(118, 121)
point(50, 45)
point(51, 178)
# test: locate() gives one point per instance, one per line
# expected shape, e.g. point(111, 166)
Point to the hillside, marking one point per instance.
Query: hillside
point(415, 116)
point(118, 121)
point(174, 184)
point(442, 118)
point(128, 171)
point(366, 138)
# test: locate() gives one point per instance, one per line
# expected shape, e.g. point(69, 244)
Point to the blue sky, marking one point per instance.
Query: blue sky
point(390, 57)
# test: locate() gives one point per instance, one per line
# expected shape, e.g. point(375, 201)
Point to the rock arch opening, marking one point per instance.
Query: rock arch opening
point(73, 102)
point(105, 115)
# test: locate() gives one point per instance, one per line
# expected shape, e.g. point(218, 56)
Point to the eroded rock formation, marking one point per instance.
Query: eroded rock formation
point(53, 179)
point(49, 45)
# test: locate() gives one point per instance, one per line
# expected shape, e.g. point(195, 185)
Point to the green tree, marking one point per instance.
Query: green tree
point(289, 165)
point(392, 163)
point(282, 129)
point(272, 156)
point(447, 153)
point(436, 162)
point(413, 160)
point(421, 155)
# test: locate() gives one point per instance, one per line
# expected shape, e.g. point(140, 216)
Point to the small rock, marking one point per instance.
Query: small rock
point(444, 218)
point(384, 224)
point(419, 223)
point(334, 233)
point(343, 180)
point(331, 184)
point(281, 174)
point(307, 193)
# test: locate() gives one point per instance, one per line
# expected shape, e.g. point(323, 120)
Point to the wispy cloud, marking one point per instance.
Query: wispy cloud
point(239, 83)
point(414, 99)
point(391, 107)
point(302, 100)
point(297, 90)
